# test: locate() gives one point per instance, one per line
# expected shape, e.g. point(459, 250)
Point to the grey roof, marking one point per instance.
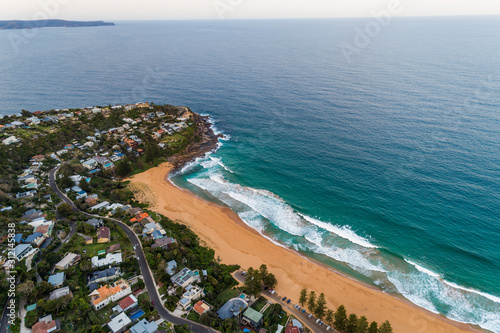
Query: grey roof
point(232, 308)
point(182, 277)
point(102, 274)
point(144, 327)
point(59, 293)
point(94, 222)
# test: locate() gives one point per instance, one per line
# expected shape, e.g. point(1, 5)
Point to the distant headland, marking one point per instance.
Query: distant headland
point(15, 24)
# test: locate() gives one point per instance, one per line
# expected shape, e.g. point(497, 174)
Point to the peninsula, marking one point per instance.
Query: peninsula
point(19, 24)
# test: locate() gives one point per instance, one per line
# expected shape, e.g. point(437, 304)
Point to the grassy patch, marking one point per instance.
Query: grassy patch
point(227, 294)
point(194, 316)
point(259, 304)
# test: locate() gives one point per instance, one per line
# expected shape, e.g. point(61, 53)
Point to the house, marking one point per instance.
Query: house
point(171, 267)
point(103, 204)
point(90, 164)
point(252, 318)
point(184, 278)
point(201, 307)
point(163, 242)
point(192, 294)
point(61, 152)
point(10, 140)
point(36, 238)
point(157, 235)
point(144, 327)
point(91, 201)
point(46, 325)
point(61, 292)
point(127, 303)
point(95, 222)
point(119, 323)
point(232, 308)
point(27, 194)
point(104, 275)
point(23, 250)
point(57, 279)
point(18, 238)
point(103, 235)
point(45, 229)
point(110, 258)
point(32, 214)
point(68, 260)
point(106, 294)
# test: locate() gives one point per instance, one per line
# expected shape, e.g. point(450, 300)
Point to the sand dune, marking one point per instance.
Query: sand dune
point(236, 243)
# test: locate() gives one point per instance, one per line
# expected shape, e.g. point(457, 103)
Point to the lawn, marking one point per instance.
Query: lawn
point(227, 294)
point(194, 316)
point(78, 245)
point(259, 304)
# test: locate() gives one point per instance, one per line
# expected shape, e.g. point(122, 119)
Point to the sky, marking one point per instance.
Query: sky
point(235, 9)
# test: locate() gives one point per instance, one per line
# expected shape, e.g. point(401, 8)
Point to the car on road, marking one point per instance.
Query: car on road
point(153, 302)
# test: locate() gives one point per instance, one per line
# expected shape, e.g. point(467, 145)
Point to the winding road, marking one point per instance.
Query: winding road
point(145, 269)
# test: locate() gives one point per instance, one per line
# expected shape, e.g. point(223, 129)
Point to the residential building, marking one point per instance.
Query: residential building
point(106, 294)
point(252, 318)
point(95, 222)
point(171, 267)
point(201, 307)
point(61, 292)
point(35, 238)
point(90, 164)
point(103, 235)
point(10, 140)
point(110, 258)
point(46, 325)
point(127, 303)
point(69, 260)
point(57, 279)
point(23, 250)
point(232, 308)
point(163, 242)
point(184, 278)
point(101, 205)
point(143, 326)
point(119, 323)
point(104, 275)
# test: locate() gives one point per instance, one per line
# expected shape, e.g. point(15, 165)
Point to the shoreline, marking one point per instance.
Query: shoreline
point(236, 243)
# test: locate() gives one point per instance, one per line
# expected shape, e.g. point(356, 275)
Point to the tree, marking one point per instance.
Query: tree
point(26, 113)
point(329, 316)
point(385, 327)
point(352, 323)
point(26, 288)
point(64, 210)
point(373, 327)
point(270, 281)
point(303, 297)
point(340, 322)
point(123, 168)
point(312, 301)
point(319, 309)
point(252, 282)
point(362, 325)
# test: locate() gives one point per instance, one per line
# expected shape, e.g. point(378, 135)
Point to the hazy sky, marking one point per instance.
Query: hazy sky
point(234, 9)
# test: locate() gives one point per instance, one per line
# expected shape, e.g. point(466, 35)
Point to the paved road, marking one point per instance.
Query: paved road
point(303, 317)
point(145, 270)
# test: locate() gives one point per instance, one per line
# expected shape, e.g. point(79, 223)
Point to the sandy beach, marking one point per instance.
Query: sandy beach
point(235, 243)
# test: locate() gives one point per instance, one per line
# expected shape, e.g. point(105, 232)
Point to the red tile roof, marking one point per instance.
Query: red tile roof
point(126, 302)
point(43, 327)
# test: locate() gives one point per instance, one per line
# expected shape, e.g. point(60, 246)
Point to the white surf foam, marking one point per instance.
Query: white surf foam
point(344, 231)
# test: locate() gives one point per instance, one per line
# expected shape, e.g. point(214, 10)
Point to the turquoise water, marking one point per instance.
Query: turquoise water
point(385, 167)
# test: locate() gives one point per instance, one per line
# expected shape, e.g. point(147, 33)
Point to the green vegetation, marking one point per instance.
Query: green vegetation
point(339, 319)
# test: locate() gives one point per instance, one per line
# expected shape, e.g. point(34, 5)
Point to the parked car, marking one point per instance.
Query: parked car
point(288, 302)
point(284, 298)
point(310, 315)
point(303, 310)
point(328, 328)
point(317, 321)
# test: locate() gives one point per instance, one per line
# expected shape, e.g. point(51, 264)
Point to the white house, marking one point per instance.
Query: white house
point(119, 323)
point(10, 140)
point(110, 258)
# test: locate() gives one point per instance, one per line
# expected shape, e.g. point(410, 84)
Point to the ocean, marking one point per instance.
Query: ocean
point(378, 155)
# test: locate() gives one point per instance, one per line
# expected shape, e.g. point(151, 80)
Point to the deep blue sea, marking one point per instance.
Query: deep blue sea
point(385, 166)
